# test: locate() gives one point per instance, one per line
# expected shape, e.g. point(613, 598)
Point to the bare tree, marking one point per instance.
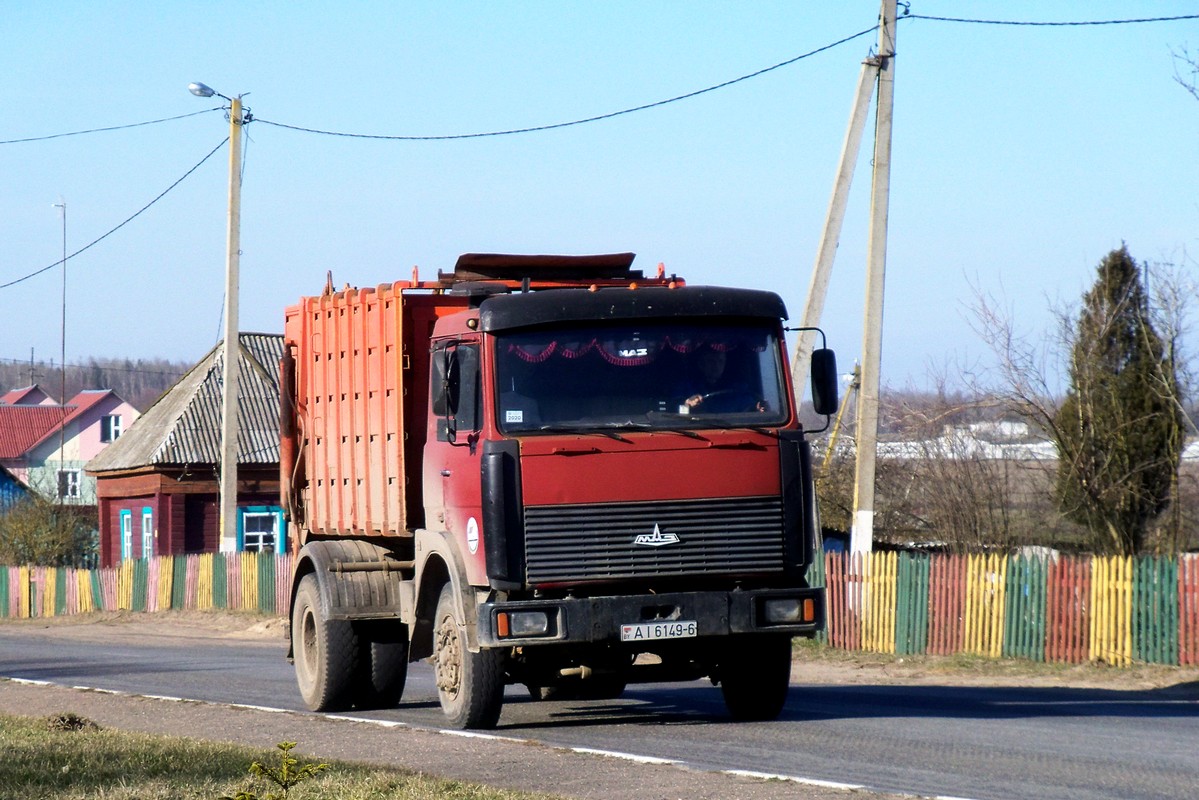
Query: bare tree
point(1109, 456)
point(1186, 71)
point(41, 532)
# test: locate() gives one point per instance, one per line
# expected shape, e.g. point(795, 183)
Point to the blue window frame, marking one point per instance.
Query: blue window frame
point(147, 532)
point(260, 529)
point(126, 534)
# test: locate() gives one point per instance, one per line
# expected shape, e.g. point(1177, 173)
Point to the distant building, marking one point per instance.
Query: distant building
point(11, 490)
point(29, 396)
point(158, 487)
point(44, 445)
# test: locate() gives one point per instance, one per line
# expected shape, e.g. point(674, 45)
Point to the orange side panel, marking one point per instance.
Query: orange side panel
point(362, 379)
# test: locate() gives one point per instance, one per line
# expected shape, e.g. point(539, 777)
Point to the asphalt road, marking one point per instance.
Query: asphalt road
point(969, 742)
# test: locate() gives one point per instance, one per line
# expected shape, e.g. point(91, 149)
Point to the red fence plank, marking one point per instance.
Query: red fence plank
point(1188, 610)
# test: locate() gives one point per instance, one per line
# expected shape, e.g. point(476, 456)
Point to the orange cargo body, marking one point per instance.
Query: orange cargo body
point(361, 383)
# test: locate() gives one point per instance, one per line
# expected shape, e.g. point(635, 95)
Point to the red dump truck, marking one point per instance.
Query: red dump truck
point(548, 471)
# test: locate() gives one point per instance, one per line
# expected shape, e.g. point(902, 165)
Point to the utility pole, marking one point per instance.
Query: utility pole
point(232, 351)
point(232, 345)
point(833, 220)
point(861, 538)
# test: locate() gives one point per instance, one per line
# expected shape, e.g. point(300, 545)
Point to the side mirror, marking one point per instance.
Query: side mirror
point(824, 382)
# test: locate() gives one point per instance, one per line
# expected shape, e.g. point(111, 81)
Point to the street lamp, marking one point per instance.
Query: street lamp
point(232, 346)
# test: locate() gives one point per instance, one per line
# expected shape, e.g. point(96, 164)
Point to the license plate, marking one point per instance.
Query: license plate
point(644, 631)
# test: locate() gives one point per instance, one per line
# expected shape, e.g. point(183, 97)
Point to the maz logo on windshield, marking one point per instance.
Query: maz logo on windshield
point(656, 539)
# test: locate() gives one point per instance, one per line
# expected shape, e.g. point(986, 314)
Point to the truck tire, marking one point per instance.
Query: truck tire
point(326, 651)
point(384, 664)
point(469, 685)
point(755, 675)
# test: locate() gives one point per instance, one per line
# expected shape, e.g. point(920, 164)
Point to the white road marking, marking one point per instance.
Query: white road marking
point(385, 723)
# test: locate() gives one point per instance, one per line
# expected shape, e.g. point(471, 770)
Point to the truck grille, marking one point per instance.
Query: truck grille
point(596, 542)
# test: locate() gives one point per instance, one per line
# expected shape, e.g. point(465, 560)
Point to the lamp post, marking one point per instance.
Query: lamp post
point(232, 346)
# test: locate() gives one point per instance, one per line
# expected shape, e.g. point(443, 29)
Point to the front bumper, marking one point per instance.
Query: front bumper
point(599, 619)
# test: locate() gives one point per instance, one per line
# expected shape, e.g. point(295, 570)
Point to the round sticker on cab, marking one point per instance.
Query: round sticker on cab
point(472, 535)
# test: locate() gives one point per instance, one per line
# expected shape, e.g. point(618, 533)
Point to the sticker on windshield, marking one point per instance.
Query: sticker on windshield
point(514, 415)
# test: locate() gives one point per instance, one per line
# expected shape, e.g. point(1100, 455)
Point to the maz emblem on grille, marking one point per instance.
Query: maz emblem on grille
point(656, 539)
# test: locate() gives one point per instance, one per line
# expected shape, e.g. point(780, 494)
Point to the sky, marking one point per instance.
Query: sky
point(1021, 156)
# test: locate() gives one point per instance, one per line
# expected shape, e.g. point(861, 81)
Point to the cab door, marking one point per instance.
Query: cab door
point(453, 457)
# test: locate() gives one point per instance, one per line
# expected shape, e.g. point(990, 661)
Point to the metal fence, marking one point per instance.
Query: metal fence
point(1063, 609)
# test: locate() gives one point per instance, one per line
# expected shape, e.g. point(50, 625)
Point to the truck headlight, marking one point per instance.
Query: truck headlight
point(789, 611)
point(522, 623)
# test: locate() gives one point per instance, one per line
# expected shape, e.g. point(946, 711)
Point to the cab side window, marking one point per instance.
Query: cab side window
point(457, 390)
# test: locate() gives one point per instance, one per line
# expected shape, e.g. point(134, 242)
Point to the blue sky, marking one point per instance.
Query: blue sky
point(1021, 156)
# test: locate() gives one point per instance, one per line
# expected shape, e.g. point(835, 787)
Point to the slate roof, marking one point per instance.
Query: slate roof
point(183, 427)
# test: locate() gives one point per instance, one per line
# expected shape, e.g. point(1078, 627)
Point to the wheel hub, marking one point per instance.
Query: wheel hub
point(449, 657)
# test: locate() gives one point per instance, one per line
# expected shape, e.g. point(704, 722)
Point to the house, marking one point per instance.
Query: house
point(158, 487)
point(45, 445)
point(11, 490)
point(29, 396)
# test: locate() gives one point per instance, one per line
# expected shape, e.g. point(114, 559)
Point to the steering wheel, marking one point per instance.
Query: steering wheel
point(731, 401)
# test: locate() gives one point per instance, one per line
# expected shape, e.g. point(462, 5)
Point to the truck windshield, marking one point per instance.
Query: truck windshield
point(639, 375)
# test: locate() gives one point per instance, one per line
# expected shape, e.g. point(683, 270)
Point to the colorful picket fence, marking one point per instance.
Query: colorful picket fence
point(235, 581)
point(1114, 610)
point(1064, 609)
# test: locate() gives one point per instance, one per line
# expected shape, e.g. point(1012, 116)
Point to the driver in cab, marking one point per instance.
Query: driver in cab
point(711, 364)
point(712, 390)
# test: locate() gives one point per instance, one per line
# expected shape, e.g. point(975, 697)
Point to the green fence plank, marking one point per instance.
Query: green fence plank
point(911, 601)
point(1175, 625)
point(97, 591)
point(1011, 612)
point(178, 581)
point(814, 575)
point(220, 581)
point(138, 600)
point(902, 595)
point(266, 582)
point(4, 591)
point(1024, 622)
point(60, 591)
point(1155, 610)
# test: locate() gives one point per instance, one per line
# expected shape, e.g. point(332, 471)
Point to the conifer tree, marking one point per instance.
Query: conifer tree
point(1119, 430)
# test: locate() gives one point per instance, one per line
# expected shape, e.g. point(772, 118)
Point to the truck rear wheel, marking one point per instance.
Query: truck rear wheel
point(469, 685)
point(755, 675)
point(384, 664)
point(326, 651)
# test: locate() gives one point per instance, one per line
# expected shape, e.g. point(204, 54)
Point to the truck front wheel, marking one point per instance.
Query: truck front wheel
point(469, 685)
point(325, 651)
point(755, 675)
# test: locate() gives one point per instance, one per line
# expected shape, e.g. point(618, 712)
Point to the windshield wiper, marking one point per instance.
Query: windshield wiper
point(724, 425)
point(582, 431)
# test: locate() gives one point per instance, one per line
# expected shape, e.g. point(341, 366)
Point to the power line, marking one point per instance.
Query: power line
point(597, 118)
point(113, 128)
point(118, 227)
point(1069, 24)
point(553, 126)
